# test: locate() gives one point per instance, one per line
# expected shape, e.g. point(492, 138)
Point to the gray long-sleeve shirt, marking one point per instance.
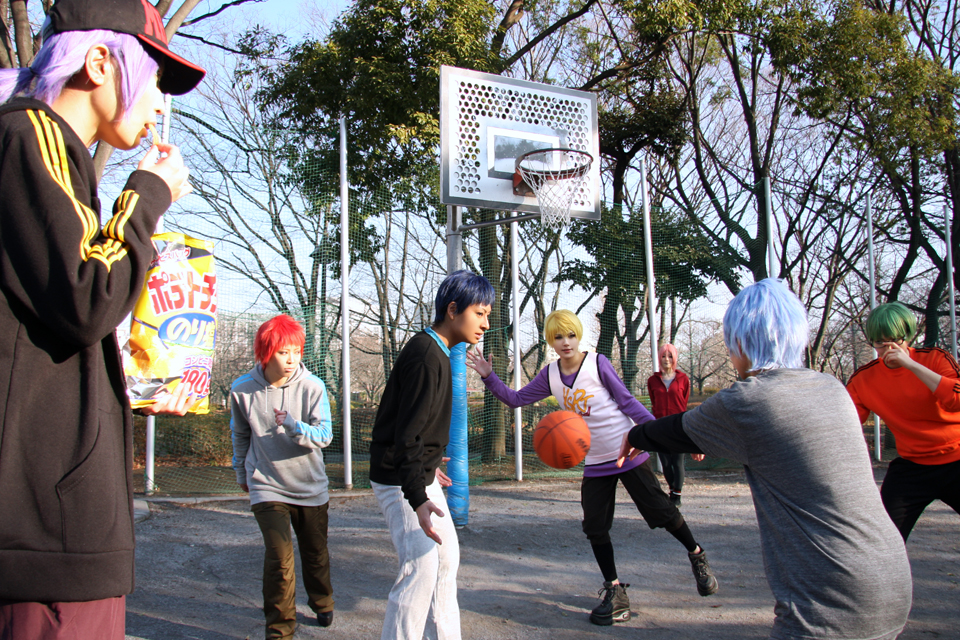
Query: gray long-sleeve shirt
point(281, 463)
point(834, 560)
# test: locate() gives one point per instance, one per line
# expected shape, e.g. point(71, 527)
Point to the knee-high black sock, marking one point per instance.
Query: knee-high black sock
point(604, 556)
point(685, 537)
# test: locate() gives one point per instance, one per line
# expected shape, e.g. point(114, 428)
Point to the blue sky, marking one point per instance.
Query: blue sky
point(296, 18)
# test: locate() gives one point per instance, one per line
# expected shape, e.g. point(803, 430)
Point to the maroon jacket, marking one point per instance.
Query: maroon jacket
point(66, 432)
point(667, 402)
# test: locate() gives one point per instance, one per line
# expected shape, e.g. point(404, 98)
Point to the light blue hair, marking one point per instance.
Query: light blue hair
point(767, 323)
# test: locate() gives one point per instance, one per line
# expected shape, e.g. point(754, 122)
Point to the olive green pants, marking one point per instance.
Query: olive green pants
point(279, 580)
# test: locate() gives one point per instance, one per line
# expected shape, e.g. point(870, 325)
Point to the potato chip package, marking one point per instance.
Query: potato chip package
point(174, 326)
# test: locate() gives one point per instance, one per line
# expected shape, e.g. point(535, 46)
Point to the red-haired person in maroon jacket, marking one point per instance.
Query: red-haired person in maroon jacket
point(669, 391)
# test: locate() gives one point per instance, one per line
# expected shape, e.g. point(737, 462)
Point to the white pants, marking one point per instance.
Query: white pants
point(428, 571)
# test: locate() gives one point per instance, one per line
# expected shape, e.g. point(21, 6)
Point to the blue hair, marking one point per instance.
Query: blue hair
point(767, 323)
point(465, 288)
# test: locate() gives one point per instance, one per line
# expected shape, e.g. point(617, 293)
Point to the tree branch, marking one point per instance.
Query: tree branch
point(546, 33)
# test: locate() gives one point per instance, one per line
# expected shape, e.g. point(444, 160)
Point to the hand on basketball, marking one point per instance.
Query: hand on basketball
point(476, 361)
point(627, 452)
point(443, 478)
point(423, 515)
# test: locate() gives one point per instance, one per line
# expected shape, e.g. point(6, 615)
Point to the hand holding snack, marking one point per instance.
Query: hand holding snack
point(177, 403)
point(169, 167)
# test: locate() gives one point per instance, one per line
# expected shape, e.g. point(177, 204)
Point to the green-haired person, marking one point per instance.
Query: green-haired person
point(916, 392)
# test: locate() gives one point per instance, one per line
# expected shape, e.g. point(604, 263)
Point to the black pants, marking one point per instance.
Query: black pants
point(279, 582)
point(909, 487)
point(598, 497)
point(672, 464)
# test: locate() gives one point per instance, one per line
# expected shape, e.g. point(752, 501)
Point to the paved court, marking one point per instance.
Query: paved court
point(527, 571)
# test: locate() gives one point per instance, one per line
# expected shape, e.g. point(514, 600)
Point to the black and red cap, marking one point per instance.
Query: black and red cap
point(136, 17)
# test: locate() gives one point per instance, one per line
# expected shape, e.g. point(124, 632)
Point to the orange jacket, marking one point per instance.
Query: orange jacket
point(926, 425)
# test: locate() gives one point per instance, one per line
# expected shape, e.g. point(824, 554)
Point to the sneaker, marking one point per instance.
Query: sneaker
point(675, 499)
point(706, 583)
point(325, 618)
point(615, 606)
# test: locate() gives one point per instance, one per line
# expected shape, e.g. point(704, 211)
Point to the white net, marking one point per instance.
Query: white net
point(556, 177)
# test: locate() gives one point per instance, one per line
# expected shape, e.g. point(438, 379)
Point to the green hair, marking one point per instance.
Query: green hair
point(891, 321)
point(559, 322)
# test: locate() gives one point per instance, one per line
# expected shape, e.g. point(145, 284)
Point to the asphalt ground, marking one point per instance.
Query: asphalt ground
point(526, 570)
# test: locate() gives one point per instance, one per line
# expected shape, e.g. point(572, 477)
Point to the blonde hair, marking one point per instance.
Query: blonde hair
point(559, 322)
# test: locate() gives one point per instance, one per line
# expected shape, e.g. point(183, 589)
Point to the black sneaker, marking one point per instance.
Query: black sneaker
point(706, 583)
point(675, 499)
point(615, 606)
point(325, 618)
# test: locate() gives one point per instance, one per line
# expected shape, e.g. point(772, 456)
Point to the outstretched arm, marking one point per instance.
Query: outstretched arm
point(666, 435)
point(538, 389)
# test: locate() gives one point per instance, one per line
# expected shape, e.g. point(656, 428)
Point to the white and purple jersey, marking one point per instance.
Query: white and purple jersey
point(595, 392)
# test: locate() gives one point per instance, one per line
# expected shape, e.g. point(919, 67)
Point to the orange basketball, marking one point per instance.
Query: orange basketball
point(561, 439)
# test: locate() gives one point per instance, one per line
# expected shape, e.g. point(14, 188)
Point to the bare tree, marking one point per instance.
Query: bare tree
point(703, 355)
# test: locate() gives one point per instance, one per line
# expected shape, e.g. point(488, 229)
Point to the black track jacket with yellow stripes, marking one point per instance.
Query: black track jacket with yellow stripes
point(66, 445)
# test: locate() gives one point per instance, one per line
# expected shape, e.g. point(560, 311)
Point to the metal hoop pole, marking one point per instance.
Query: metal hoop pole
point(651, 280)
point(345, 306)
point(872, 275)
point(950, 287)
point(769, 223)
point(515, 284)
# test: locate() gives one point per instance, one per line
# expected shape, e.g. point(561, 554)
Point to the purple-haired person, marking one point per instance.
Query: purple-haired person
point(67, 281)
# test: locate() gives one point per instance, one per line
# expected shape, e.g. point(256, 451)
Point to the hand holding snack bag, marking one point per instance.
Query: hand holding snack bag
point(174, 326)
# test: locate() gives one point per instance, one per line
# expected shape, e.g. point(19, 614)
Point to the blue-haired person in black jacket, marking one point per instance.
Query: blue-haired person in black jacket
point(410, 432)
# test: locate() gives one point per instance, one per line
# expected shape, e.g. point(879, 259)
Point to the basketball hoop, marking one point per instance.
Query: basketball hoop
point(555, 177)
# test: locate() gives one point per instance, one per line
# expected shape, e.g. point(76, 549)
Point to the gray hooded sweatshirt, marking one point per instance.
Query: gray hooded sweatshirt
point(281, 464)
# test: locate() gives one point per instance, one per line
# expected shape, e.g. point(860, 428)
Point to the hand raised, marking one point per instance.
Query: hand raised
point(170, 168)
point(476, 362)
point(897, 357)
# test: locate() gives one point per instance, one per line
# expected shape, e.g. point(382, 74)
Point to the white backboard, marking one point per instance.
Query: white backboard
point(487, 121)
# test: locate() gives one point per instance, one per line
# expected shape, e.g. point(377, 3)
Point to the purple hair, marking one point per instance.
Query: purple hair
point(62, 57)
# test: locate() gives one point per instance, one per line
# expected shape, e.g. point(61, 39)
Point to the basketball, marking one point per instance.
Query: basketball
point(561, 439)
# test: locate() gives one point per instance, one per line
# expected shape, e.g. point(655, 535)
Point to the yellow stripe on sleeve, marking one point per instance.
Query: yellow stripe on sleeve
point(53, 150)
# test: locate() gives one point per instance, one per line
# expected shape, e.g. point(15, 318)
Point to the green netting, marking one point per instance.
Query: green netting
point(274, 215)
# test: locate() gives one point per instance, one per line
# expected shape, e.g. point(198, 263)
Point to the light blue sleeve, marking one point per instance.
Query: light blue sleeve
point(316, 432)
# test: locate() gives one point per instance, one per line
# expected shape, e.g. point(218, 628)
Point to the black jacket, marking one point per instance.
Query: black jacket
point(66, 445)
point(413, 422)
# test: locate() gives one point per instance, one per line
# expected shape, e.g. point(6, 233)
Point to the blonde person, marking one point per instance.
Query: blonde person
point(586, 383)
point(834, 561)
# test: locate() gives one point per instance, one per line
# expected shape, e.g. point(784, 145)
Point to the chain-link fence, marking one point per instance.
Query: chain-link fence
point(275, 223)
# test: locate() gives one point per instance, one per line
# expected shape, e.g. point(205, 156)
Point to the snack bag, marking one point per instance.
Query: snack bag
point(174, 326)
